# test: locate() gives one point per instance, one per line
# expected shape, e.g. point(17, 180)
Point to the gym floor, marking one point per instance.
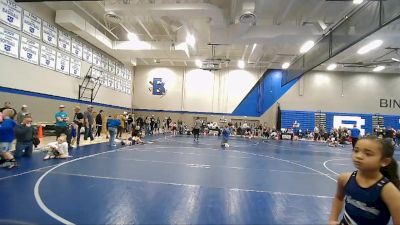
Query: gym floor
point(174, 180)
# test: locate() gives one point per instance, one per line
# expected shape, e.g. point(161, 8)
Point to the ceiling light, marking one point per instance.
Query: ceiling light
point(332, 66)
point(132, 37)
point(190, 40)
point(306, 46)
point(357, 1)
point(371, 46)
point(285, 65)
point(378, 68)
point(396, 60)
point(198, 63)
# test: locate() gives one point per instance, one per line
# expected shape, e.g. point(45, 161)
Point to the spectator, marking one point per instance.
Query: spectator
point(99, 123)
point(129, 121)
point(112, 125)
point(78, 120)
point(6, 138)
point(7, 105)
point(61, 126)
point(88, 121)
point(58, 149)
point(21, 115)
point(355, 135)
point(24, 134)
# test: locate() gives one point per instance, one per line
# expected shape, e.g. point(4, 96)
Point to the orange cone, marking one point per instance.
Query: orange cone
point(40, 131)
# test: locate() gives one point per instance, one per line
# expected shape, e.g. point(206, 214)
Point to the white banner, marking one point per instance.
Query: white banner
point(105, 79)
point(118, 69)
point(129, 75)
point(87, 54)
point(10, 14)
point(111, 66)
point(49, 34)
point(111, 82)
point(104, 62)
point(62, 63)
point(47, 57)
point(29, 51)
point(96, 74)
point(9, 42)
point(31, 24)
point(75, 67)
point(76, 48)
point(96, 59)
point(64, 41)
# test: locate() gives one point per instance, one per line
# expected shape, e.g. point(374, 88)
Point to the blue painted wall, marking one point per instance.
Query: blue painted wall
point(307, 119)
point(263, 95)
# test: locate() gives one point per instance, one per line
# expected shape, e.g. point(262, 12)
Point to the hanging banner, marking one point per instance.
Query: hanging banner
point(9, 42)
point(49, 34)
point(103, 79)
point(29, 51)
point(62, 63)
point(75, 67)
point(96, 59)
point(111, 82)
point(64, 41)
point(104, 62)
point(129, 75)
point(96, 73)
point(47, 57)
point(111, 66)
point(87, 54)
point(76, 48)
point(10, 14)
point(118, 69)
point(31, 25)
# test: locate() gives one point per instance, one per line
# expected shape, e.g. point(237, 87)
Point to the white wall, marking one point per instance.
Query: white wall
point(192, 89)
point(21, 75)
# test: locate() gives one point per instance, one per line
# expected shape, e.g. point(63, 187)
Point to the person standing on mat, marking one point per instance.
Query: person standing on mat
point(370, 194)
point(355, 134)
point(88, 121)
point(78, 120)
point(196, 129)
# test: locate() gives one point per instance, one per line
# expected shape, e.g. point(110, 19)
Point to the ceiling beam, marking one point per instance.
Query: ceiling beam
point(164, 26)
point(144, 28)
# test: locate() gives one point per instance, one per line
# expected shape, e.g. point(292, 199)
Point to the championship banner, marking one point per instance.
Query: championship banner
point(76, 48)
point(64, 41)
point(75, 67)
point(49, 34)
point(29, 51)
point(96, 59)
point(111, 66)
point(87, 54)
point(10, 14)
point(9, 42)
point(31, 25)
point(96, 73)
point(48, 57)
point(104, 62)
point(129, 75)
point(103, 79)
point(62, 64)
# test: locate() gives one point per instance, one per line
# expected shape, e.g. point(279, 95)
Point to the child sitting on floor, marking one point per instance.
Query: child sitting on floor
point(59, 149)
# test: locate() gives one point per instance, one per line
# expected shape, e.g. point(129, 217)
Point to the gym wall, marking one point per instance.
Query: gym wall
point(192, 89)
point(44, 89)
point(339, 94)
